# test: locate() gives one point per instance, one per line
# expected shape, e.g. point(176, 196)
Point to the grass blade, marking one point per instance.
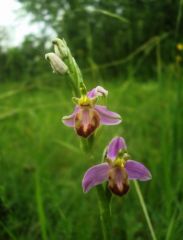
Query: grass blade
point(40, 207)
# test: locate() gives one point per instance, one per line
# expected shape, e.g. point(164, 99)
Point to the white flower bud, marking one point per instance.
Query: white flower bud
point(56, 63)
point(60, 48)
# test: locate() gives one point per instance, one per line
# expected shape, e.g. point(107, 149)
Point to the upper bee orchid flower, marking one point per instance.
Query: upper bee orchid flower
point(117, 169)
point(88, 116)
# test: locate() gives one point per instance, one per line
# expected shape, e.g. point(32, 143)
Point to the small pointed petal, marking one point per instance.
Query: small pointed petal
point(86, 121)
point(107, 117)
point(96, 92)
point(70, 120)
point(136, 170)
point(95, 175)
point(117, 144)
point(118, 181)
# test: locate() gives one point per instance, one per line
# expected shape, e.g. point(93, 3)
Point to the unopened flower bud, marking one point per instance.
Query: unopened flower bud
point(60, 48)
point(57, 64)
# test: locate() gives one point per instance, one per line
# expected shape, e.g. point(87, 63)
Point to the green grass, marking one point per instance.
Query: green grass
point(41, 164)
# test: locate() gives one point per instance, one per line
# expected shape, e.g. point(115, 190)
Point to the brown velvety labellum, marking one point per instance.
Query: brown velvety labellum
point(118, 181)
point(86, 121)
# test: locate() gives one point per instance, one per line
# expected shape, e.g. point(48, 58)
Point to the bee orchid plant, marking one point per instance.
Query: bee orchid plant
point(117, 167)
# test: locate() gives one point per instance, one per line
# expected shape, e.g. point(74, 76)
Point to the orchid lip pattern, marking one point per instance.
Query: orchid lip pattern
point(117, 169)
point(88, 116)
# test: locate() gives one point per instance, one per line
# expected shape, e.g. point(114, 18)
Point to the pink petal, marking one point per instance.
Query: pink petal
point(107, 117)
point(95, 175)
point(96, 92)
point(117, 144)
point(136, 170)
point(70, 120)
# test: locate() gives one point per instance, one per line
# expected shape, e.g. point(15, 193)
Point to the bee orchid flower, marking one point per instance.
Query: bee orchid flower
point(117, 169)
point(88, 116)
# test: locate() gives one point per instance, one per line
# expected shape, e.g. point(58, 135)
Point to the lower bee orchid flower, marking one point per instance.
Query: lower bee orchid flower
point(117, 169)
point(88, 116)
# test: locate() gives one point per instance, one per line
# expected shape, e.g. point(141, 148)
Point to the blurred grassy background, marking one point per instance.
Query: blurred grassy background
point(41, 164)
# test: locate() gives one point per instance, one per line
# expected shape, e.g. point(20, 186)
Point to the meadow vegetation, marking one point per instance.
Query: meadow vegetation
point(42, 165)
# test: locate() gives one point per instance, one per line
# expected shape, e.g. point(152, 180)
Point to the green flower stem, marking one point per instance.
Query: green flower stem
point(73, 85)
point(144, 208)
point(103, 195)
point(105, 212)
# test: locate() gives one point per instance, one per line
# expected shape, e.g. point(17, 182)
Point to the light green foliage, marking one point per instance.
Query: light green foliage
point(41, 166)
